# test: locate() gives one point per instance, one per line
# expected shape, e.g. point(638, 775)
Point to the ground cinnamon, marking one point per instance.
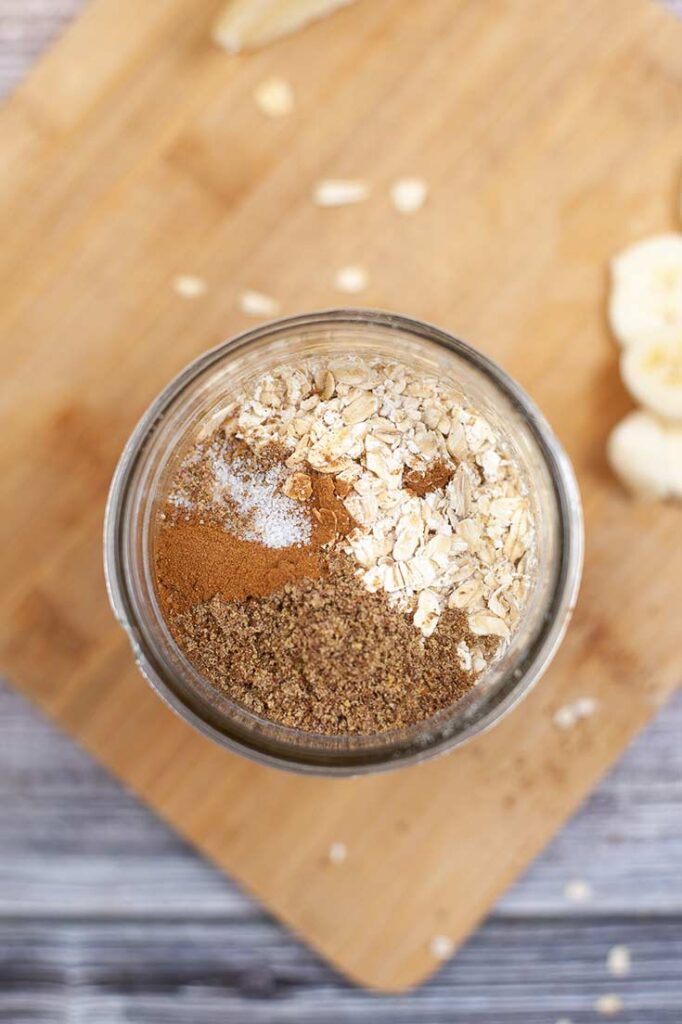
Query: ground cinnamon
point(197, 559)
point(194, 562)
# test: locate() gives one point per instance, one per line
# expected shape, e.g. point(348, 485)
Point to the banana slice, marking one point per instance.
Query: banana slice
point(675, 461)
point(646, 454)
point(651, 369)
point(248, 24)
point(646, 291)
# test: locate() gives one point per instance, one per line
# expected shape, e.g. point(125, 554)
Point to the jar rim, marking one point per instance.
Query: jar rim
point(525, 674)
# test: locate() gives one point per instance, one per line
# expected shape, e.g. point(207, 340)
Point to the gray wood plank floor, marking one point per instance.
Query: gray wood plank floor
point(107, 917)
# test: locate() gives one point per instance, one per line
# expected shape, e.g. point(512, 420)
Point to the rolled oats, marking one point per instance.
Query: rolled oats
point(428, 612)
point(360, 409)
point(468, 545)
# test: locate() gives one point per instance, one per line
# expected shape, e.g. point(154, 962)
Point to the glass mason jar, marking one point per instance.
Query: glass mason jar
point(197, 394)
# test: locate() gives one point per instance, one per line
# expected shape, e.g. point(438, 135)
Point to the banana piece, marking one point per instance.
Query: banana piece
point(248, 24)
point(651, 369)
point(675, 461)
point(646, 292)
point(646, 454)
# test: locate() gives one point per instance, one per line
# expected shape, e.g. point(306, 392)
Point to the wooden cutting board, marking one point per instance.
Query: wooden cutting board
point(549, 135)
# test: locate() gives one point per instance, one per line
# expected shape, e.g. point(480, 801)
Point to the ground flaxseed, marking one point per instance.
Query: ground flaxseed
point(325, 655)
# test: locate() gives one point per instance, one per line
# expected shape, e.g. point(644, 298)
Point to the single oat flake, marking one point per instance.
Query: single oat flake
point(257, 304)
point(351, 279)
point(188, 286)
point(337, 853)
point(441, 947)
point(609, 1005)
point(578, 891)
point(340, 192)
point(408, 195)
point(274, 97)
point(618, 961)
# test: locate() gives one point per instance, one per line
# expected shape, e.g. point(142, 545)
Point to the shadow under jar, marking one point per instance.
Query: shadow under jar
point(140, 485)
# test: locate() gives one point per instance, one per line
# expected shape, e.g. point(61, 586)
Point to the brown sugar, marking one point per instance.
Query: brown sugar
point(434, 478)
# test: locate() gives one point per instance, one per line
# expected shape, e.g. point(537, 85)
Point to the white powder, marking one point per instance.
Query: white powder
point(275, 520)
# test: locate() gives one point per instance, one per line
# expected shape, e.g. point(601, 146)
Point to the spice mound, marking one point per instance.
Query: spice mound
point(346, 547)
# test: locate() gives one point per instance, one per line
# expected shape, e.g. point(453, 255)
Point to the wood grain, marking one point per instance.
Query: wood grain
point(138, 973)
point(154, 162)
point(88, 879)
point(73, 843)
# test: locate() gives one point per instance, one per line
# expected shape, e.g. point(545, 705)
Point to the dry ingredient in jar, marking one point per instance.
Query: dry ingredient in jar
point(327, 656)
point(346, 547)
point(434, 478)
point(244, 536)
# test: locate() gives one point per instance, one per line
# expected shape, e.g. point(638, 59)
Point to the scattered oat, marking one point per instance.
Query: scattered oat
point(257, 304)
point(618, 961)
point(340, 192)
point(351, 279)
point(586, 706)
point(188, 286)
point(408, 195)
point(578, 891)
point(565, 717)
point(609, 1005)
point(570, 714)
point(274, 97)
point(442, 947)
point(337, 853)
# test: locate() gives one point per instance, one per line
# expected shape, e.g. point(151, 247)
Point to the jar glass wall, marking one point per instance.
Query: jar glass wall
point(197, 395)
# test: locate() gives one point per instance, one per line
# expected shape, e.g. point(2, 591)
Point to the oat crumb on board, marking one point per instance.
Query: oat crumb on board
point(619, 961)
point(441, 947)
point(337, 853)
point(608, 1005)
point(578, 891)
